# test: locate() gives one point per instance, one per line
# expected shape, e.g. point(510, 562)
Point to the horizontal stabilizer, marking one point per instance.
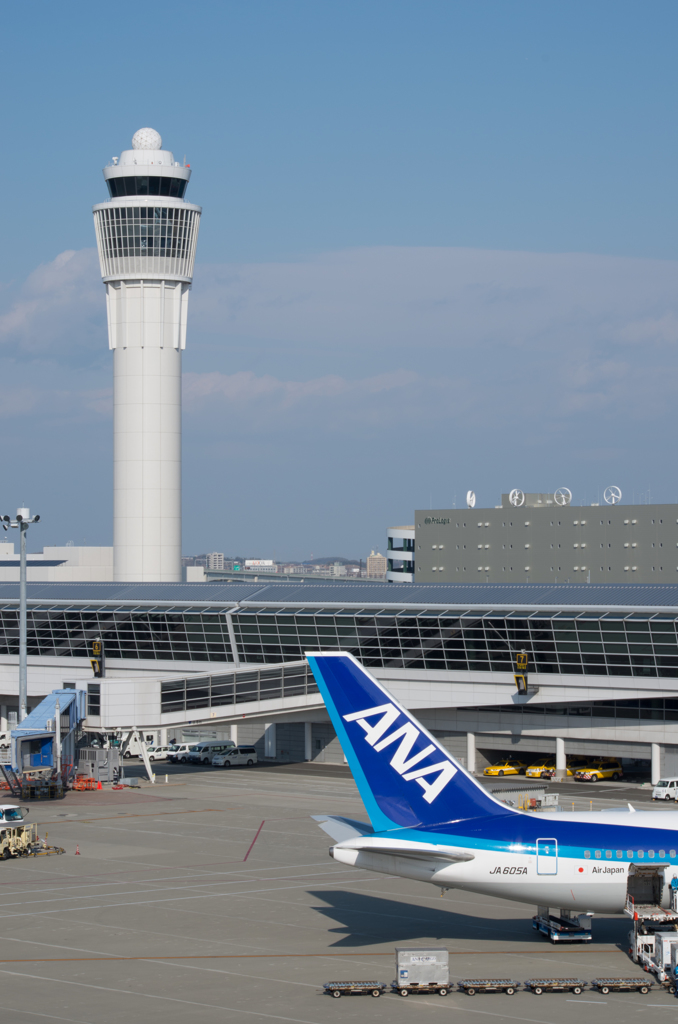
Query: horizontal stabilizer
point(342, 829)
point(411, 850)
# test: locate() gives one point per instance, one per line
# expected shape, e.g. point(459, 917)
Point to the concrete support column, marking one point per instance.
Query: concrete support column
point(308, 741)
point(471, 752)
point(269, 740)
point(234, 733)
point(656, 764)
point(561, 761)
point(163, 738)
point(3, 718)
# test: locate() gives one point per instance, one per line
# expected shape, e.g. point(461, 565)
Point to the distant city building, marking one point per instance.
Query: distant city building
point(215, 561)
point(337, 569)
point(376, 566)
point(538, 538)
point(400, 554)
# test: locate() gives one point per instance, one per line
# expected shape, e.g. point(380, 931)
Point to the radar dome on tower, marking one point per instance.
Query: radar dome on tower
point(147, 138)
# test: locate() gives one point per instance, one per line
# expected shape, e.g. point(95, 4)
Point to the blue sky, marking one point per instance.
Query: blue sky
point(438, 252)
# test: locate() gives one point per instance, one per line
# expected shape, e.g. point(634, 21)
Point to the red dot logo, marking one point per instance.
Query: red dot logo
point(581, 870)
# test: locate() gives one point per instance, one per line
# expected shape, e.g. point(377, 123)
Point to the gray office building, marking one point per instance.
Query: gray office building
point(541, 541)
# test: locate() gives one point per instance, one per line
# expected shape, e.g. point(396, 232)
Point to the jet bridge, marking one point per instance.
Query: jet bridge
point(46, 738)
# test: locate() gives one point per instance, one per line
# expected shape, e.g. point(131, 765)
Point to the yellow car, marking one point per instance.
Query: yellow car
point(598, 770)
point(543, 769)
point(506, 768)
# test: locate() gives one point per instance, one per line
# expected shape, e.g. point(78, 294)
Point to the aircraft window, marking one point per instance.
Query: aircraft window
point(587, 854)
point(672, 854)
point(662, 854)
point(641, 854)
point(650, 853)
point(598, 854)
point(619, 854)
point(629, 854)
point(608, 854)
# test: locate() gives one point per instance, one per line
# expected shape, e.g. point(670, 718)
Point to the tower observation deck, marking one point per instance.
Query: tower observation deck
point(147, 236)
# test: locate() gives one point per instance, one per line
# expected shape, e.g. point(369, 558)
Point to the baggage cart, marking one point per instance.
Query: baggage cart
point(355, 988)
point(472, 985)
point(606, 985)
point(539, 985)
point(421, 969)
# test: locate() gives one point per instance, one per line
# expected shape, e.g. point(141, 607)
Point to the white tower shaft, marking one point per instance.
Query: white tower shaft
point(147, 239)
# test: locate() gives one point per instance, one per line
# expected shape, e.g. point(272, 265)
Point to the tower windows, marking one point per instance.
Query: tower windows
point(145, 185)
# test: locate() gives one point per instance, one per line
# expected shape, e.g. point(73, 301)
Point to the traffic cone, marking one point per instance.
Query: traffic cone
point(77, 851)
point(99, 786)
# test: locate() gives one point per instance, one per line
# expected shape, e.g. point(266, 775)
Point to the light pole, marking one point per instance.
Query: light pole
point(22, 522)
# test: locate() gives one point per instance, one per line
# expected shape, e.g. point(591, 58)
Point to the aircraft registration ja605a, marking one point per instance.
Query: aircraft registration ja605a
point(432, 821)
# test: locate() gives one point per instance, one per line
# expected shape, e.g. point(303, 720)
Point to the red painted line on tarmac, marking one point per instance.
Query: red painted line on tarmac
point(253, 841)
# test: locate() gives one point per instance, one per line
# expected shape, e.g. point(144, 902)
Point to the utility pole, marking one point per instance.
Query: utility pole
point(22, 522)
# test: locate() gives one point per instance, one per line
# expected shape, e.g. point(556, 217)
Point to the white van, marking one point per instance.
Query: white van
point(665, 789)
point(158, 753)
point(238, 755)
point(177, 753)
point(202, 753)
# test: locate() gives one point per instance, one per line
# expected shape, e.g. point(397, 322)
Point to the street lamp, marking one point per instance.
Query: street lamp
point(22, 522)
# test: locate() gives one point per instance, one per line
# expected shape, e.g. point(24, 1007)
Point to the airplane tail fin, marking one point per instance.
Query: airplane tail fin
point(406, 778)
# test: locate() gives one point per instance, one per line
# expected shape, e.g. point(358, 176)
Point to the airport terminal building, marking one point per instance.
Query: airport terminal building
point(227, 659)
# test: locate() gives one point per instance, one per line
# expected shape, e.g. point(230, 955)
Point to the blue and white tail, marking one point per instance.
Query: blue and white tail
point(405, 777)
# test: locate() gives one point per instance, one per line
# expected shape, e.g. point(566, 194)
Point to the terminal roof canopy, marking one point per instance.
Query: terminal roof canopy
point(354, 594)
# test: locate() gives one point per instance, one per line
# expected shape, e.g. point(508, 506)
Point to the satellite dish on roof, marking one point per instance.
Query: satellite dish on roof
point(517, 498)
point(612, 495)
point(563, 496)
point(471, 499)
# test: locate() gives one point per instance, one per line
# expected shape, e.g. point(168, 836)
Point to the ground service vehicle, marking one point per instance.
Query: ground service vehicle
point(542, 769)
point(506, 767)
point(235, 756)
point(430, 820)
point(421, 969)
point(598, 770)
point(178, 753)
point(665, 789)
point(157, 753)
point(202, 753)
point(566, 928)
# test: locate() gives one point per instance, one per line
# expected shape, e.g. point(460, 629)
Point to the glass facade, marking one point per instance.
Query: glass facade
point(655, 709)
point(236, 688)
point(148, 231)
point(144, 185)
point(611, 644)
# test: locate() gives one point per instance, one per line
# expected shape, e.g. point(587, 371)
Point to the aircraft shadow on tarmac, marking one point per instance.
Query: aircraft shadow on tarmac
point(365, 920)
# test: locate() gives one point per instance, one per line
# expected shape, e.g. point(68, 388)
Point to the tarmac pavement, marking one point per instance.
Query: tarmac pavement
point(211, 898)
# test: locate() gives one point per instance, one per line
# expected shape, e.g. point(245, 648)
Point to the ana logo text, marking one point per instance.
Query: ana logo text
point(408, 735)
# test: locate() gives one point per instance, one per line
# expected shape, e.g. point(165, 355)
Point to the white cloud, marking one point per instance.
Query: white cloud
point(245, 387)
point(59, 309)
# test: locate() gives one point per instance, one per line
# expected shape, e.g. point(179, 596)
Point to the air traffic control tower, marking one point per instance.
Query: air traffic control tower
point(147, 236)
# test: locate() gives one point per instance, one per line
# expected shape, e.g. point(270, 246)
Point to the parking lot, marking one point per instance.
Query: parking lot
point(211, 897)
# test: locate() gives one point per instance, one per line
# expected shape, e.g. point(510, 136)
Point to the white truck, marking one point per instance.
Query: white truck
point(665, 944)
point(665, 789)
